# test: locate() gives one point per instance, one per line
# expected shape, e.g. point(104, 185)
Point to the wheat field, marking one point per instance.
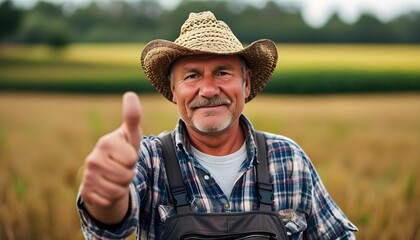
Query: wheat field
point(365, 147)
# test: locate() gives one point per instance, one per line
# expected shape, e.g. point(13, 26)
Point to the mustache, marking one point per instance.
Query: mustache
point(209, 102)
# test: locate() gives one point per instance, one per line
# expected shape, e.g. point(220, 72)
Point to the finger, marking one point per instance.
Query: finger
point(94, 199)
point(131, 116)
point(107, 190)
point(117, 173)
point(118, 149)
point(99, 164)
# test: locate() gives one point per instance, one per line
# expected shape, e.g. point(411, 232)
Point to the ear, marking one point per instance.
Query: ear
point(173, 94)
point(247, 87)
point(172, 90)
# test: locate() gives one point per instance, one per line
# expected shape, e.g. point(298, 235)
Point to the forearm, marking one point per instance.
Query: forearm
point(95, 229)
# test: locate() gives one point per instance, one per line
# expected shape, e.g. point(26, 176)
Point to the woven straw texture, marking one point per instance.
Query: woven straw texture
point(202, 33)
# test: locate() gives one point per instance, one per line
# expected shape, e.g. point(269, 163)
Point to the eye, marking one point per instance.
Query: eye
point(191, 76)
point(222, 73)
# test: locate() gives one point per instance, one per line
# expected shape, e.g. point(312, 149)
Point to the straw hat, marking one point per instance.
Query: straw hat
point(202, 33)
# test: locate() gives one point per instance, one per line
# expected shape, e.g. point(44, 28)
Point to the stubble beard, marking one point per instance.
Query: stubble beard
point(212, 127)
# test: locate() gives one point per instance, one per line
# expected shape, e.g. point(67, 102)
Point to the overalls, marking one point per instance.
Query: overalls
point(263, 224)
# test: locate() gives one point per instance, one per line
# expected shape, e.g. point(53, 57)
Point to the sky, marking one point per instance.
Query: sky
point(314, 12)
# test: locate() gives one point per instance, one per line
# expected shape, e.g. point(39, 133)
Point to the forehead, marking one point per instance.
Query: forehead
point(197, 59)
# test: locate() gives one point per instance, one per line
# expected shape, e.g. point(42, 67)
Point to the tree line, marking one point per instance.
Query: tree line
point(120, 21)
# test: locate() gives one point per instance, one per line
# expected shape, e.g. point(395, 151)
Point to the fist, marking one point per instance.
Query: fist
point(109, 168)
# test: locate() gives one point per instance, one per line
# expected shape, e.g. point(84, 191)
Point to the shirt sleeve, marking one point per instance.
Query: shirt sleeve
point(326, 220)
point(92, 229)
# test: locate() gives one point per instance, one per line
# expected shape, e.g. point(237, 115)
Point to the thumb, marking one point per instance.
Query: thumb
point(131, 117)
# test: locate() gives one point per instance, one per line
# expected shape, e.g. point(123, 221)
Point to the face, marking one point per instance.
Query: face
point(210, 91)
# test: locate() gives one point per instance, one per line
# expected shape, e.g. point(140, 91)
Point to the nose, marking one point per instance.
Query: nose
point(209, 87)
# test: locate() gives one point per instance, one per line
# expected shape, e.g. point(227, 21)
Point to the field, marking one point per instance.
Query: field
point(303, 69)
point(365, 147)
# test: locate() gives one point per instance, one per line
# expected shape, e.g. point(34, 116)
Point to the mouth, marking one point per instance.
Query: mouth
point(208, 106)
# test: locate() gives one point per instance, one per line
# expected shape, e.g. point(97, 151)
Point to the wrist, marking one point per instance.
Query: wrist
point(112, 215)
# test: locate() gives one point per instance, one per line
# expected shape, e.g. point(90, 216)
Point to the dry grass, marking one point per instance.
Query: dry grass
point(366, 149)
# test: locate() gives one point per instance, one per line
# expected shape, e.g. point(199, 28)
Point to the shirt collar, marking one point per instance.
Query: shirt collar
point(183, 143)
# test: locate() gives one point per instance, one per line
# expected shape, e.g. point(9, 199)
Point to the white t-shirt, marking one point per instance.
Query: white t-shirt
point(224, 169)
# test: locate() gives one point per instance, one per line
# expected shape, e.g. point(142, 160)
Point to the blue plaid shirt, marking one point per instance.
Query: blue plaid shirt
point(300, 198)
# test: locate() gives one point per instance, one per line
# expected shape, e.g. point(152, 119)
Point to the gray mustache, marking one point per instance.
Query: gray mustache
point(209, 102)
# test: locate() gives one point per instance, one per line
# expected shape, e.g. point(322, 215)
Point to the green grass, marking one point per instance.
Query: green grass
point(302, 69)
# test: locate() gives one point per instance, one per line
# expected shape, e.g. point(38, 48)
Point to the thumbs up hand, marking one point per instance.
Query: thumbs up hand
point(131, 115)
point(109, 168)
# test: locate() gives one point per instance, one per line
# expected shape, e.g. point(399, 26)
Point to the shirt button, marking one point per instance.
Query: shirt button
point(206, 177)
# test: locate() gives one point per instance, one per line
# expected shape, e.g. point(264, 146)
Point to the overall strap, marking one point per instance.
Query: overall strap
point(179, 193)
point(264, 187)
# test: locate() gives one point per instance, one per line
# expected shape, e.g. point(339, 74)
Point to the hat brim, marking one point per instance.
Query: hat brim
point(158, 55)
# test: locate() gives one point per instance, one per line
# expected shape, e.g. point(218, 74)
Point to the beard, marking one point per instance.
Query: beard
point(211, 126)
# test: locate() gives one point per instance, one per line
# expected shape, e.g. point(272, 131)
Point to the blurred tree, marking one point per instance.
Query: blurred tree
point(10, 19)
point(142, 21)
point(45, 23)
point(368, 29)
point(406, 28)
point(57, 38)
point(335, 31)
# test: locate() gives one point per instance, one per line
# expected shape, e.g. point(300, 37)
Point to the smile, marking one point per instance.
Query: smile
point(209, 106)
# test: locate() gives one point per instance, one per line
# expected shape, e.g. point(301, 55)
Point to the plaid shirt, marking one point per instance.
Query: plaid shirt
point(300, 198)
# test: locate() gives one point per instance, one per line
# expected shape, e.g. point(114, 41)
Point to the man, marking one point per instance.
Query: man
point(210, 76)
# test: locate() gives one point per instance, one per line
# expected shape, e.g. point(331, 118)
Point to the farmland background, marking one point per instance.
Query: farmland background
point(365, 146)
point(352, 103)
